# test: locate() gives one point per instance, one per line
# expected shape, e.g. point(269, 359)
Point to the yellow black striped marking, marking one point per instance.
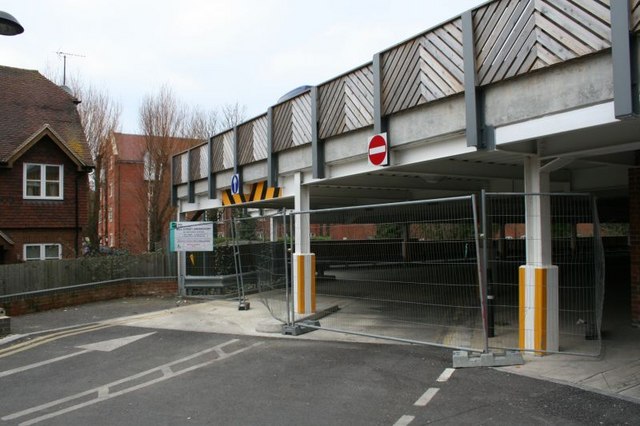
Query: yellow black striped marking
point(259, 192)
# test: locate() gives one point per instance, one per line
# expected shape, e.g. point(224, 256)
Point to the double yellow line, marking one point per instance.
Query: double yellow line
point(71, 331)
point(32, 343)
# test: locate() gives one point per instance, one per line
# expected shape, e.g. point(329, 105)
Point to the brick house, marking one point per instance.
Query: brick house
point(123, 222)
point(44, 167)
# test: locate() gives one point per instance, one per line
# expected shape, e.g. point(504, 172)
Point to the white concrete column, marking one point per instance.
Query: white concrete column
point(539, 323)
point(181, 258)
point(302, 228)
point(303, 262)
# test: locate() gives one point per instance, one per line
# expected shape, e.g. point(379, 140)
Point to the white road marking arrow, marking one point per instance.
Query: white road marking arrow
point(110, 345)
point(104, 346)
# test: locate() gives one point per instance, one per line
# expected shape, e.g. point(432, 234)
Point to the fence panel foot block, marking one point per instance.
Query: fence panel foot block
point(462, 359)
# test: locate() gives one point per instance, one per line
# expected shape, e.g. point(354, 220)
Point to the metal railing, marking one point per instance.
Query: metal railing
point(439, 272)
point(576, 250)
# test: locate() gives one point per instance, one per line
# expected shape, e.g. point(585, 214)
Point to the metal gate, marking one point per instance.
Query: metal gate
point(577, 252)
point(416, 271)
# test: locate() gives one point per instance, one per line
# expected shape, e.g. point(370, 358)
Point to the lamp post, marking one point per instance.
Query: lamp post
point(9, 25)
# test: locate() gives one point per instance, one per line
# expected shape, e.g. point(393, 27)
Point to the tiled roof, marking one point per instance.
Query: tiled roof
point(132, 147)
point(28, 102)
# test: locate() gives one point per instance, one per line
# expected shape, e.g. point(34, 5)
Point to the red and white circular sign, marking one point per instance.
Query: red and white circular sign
point(378, 152)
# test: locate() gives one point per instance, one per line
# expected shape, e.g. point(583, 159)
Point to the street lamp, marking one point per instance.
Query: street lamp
point(9, 25)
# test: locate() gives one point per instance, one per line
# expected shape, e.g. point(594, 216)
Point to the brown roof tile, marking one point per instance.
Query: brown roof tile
point(132, 147)
point(29, 102)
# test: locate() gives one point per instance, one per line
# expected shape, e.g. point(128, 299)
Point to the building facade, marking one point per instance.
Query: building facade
point(129, 179)
point(44, 167)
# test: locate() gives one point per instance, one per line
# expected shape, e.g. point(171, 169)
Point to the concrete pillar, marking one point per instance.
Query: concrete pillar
point(181, 258)
point(539, 319)
point(634, 243)
point(304, 265)
point(301, 203)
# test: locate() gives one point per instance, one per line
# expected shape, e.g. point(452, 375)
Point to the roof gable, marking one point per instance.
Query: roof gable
point(32, 104)
point(46, 130)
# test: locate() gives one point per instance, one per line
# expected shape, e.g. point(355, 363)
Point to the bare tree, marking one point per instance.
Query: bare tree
point(232, 115)
point(100, 117)
point(162, 122)
point(202, 125)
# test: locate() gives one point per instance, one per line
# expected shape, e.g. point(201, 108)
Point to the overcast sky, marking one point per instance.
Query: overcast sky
point(211, 52)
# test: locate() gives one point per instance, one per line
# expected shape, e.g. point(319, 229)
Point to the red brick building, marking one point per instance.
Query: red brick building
point(44, 166)
point(123, 222)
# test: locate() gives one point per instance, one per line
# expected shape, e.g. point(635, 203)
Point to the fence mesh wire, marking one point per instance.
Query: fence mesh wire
point(262, 258)
point(408, 271)
point(576, 250)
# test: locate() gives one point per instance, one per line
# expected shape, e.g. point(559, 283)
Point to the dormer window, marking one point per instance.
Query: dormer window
point(43, 182)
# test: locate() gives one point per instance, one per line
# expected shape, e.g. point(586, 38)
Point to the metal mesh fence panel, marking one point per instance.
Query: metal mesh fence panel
point(262, 249)
point(576, 249)
point(406, 271)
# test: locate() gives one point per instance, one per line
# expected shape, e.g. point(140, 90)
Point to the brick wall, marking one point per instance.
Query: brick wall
point(43, 221)
point(64, 237)
point(131, 227)
point(634, 234)
point(26, 303)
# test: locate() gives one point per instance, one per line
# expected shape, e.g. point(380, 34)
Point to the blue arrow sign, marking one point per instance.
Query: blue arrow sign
point(235, 184)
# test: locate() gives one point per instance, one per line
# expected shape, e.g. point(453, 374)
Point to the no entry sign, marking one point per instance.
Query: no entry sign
point(378, 152)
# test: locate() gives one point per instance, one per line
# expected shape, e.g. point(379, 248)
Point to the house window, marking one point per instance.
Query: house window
point(42, 251)
point(43, 181)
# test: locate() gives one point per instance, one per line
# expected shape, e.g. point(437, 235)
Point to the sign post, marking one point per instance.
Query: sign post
point(378, 150)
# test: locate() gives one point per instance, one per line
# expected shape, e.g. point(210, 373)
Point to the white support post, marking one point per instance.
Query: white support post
point(539, 319)
point(301, 203)
point(303, 262)
point(181, 258)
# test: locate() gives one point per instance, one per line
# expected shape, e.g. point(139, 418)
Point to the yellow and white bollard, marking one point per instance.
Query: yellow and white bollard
point(304, 279)
point(538, 308)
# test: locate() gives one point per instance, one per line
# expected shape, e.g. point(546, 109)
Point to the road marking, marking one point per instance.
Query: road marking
point(113, 344)
point(404, 420)
point(103, 393)
point(446, 374)
point(426, 397)
point(20, 347)
point(104, 346)
point(60, 333)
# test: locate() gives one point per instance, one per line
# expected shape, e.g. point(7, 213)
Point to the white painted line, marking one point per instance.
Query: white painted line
point(426, 397)
point(40, 364)
point(446, 374)
point(103, 393)
point(104, 346)
point(404, 421)
point(113, 344)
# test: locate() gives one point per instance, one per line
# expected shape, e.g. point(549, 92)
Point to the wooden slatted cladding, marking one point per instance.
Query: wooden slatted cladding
point(217, 163)
point(424, 69)
point(516, 37)
point(252, 140)
point(346, 103)
point(635, 15)
point(198, 162)
point(292, 123)
point(228, 153)
point(180, 168)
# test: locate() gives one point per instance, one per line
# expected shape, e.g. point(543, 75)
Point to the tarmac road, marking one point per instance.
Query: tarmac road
point(119, 373)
